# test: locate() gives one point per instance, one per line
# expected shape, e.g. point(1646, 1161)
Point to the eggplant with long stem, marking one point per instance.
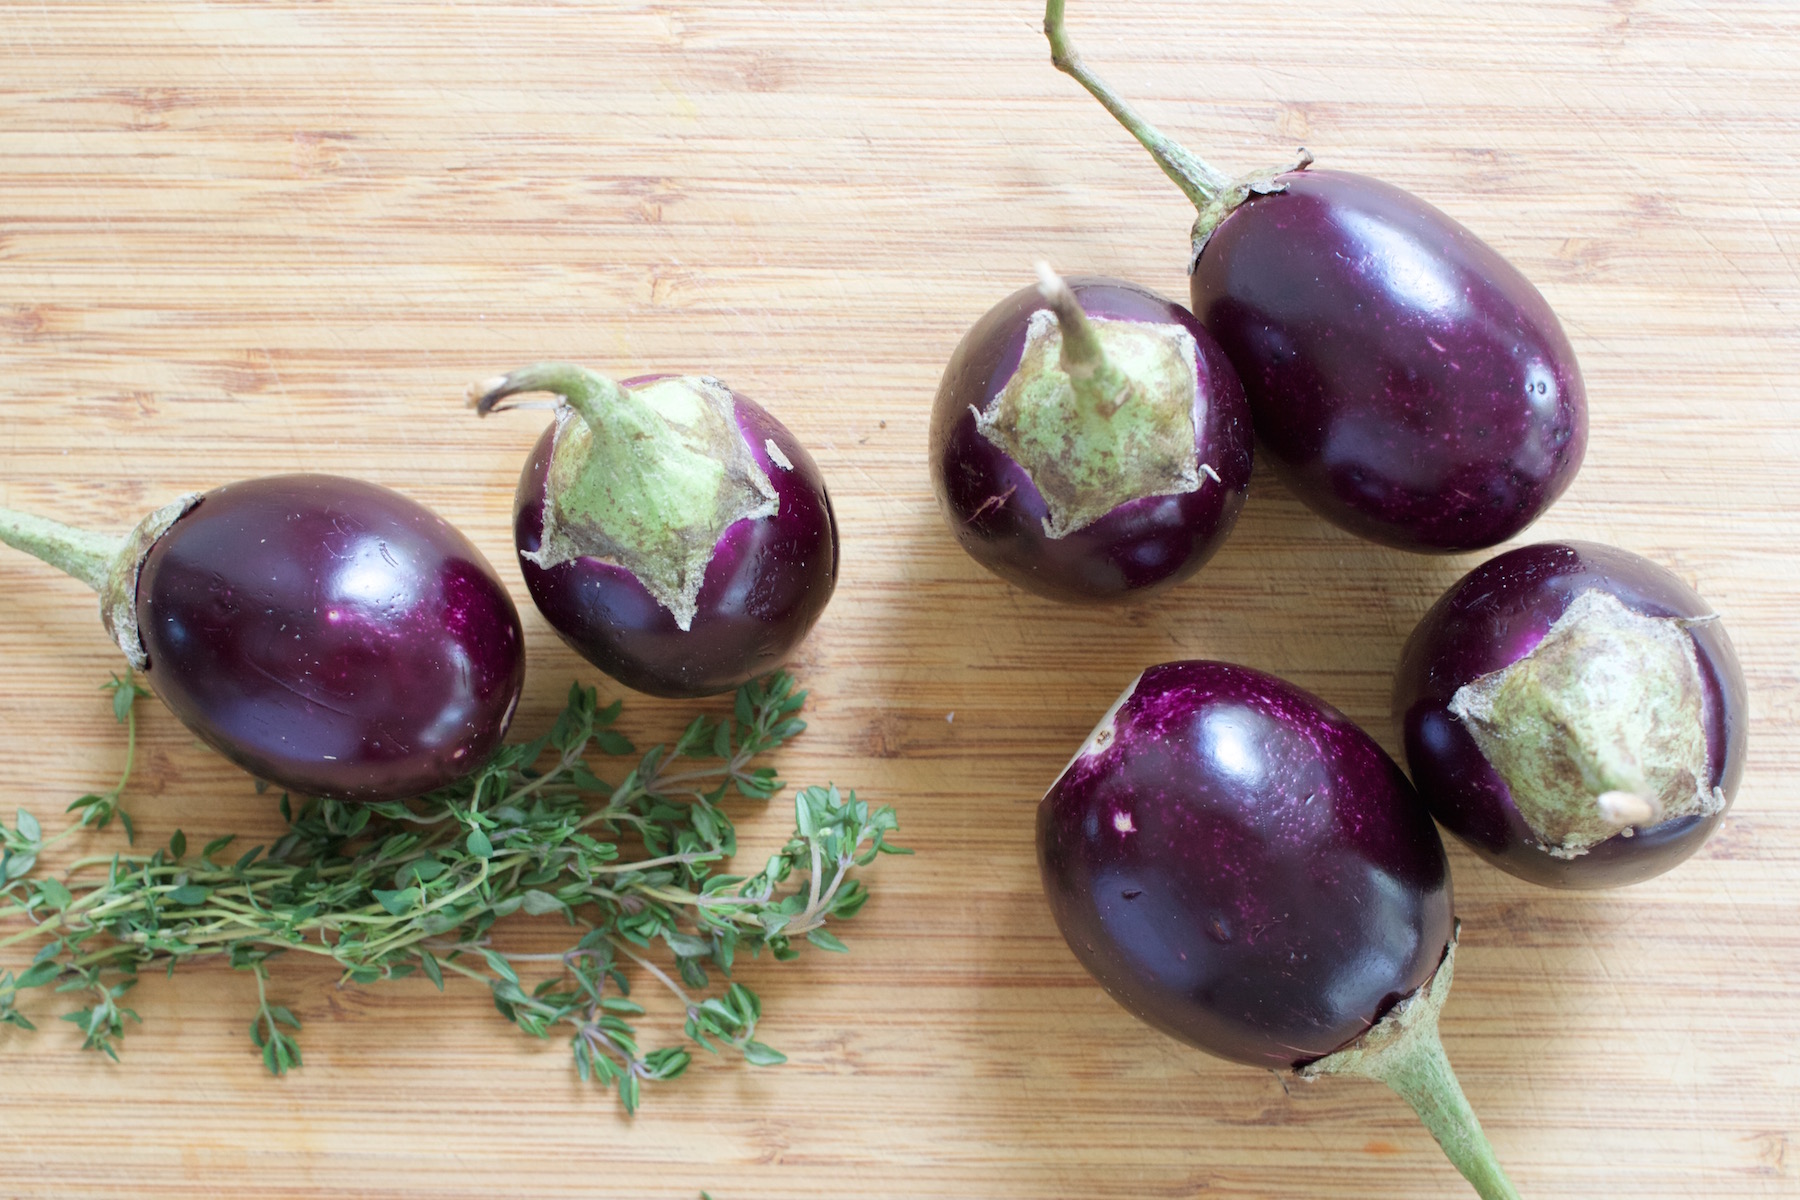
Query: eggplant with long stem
point(1243, 868)
point(1407, 382)
point(329, 636)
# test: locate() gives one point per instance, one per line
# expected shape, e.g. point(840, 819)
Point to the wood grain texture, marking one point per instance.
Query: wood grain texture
point(242, 238)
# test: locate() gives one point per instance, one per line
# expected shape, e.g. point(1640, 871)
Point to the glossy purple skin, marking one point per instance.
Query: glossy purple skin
point(997, 513)
point(1406, 381)
point(1244, 868)
point(331, 637)
point(769, 580)
point(1494, 616)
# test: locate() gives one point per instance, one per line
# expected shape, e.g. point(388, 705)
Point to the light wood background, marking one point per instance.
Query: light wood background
point(243, 238)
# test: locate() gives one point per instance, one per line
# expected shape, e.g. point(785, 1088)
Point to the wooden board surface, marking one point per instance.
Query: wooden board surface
point(245, 238)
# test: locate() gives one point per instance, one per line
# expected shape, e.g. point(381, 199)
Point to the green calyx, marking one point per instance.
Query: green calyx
point(1214, 193)
point(1099, 412)
point(1599, 729)
point(104, 562)
point(648, 478)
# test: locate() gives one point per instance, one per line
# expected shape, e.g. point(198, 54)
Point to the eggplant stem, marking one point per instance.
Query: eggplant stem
point(1403, 1051)
point(1199, 180)
point(86, 555)
point(1098, 384)
point(593, 396)
point(1215, 194)
point(1424, 1079)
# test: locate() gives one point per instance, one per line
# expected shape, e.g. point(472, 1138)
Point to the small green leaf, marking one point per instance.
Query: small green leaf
point(501, 966)
point(54, 894)
point(538, 903)
point(478, 844)
point(28, 826)
point(433, 972)
point(628, 1007)
point(824, 939)
point(759, 1055)
point(803, 812)
point(190, 894)
point(177, 844)
point(123, 695)
point(398, 903)
point(39, 975)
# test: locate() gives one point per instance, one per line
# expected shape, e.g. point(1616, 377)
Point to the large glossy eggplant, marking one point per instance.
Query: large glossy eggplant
point(1407, 382)
point(1242, 867)
point(327, 635)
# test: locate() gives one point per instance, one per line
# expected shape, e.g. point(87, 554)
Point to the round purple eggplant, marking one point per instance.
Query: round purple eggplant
point(1575, 713)
point(1243, 868)
point(329, 636)
point(1407, 382)
point(1090, 442)
point(672, 532)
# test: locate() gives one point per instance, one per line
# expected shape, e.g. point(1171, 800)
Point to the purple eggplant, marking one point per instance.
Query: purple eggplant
point(673, 533)
point(1408, 383)
point(1090, 442)
point(1243, 868)
point(1575, 713)
point(329, 636)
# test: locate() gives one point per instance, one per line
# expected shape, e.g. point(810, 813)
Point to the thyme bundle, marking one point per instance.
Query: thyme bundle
point(387, 891)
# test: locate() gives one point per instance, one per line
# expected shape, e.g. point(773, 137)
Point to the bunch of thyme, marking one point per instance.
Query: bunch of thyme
point(390, 890)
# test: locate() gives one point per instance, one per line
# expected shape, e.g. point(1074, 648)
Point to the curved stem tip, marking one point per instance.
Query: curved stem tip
point(592, 395)
point(87, 556)
point(1403, 1051)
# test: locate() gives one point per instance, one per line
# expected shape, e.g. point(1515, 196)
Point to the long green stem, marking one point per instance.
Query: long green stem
point(1199, 180)
point(1424, 1079)
point(1404, 1052)
point(87, 556)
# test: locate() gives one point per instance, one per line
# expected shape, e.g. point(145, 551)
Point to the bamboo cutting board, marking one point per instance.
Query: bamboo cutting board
point(245, 238)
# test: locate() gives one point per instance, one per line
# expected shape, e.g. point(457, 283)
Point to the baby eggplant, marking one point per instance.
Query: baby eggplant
point(1408, 383)
point(1575, 713)
point(1090, 441)
point(673, 533)
point(329, 636)
point(1243, 868)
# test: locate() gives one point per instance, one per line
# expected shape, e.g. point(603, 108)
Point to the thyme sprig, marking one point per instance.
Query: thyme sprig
point(391, 890)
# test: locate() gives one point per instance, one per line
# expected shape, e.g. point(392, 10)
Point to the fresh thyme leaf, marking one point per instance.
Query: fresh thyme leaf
point(386, 891)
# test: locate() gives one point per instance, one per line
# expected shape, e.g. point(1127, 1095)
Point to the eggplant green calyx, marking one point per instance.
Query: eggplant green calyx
point(1099, 412)
point(106, 563)
point(648, 478)
point(1213, 193)
point(1403, 1051)
point(1599, 729)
